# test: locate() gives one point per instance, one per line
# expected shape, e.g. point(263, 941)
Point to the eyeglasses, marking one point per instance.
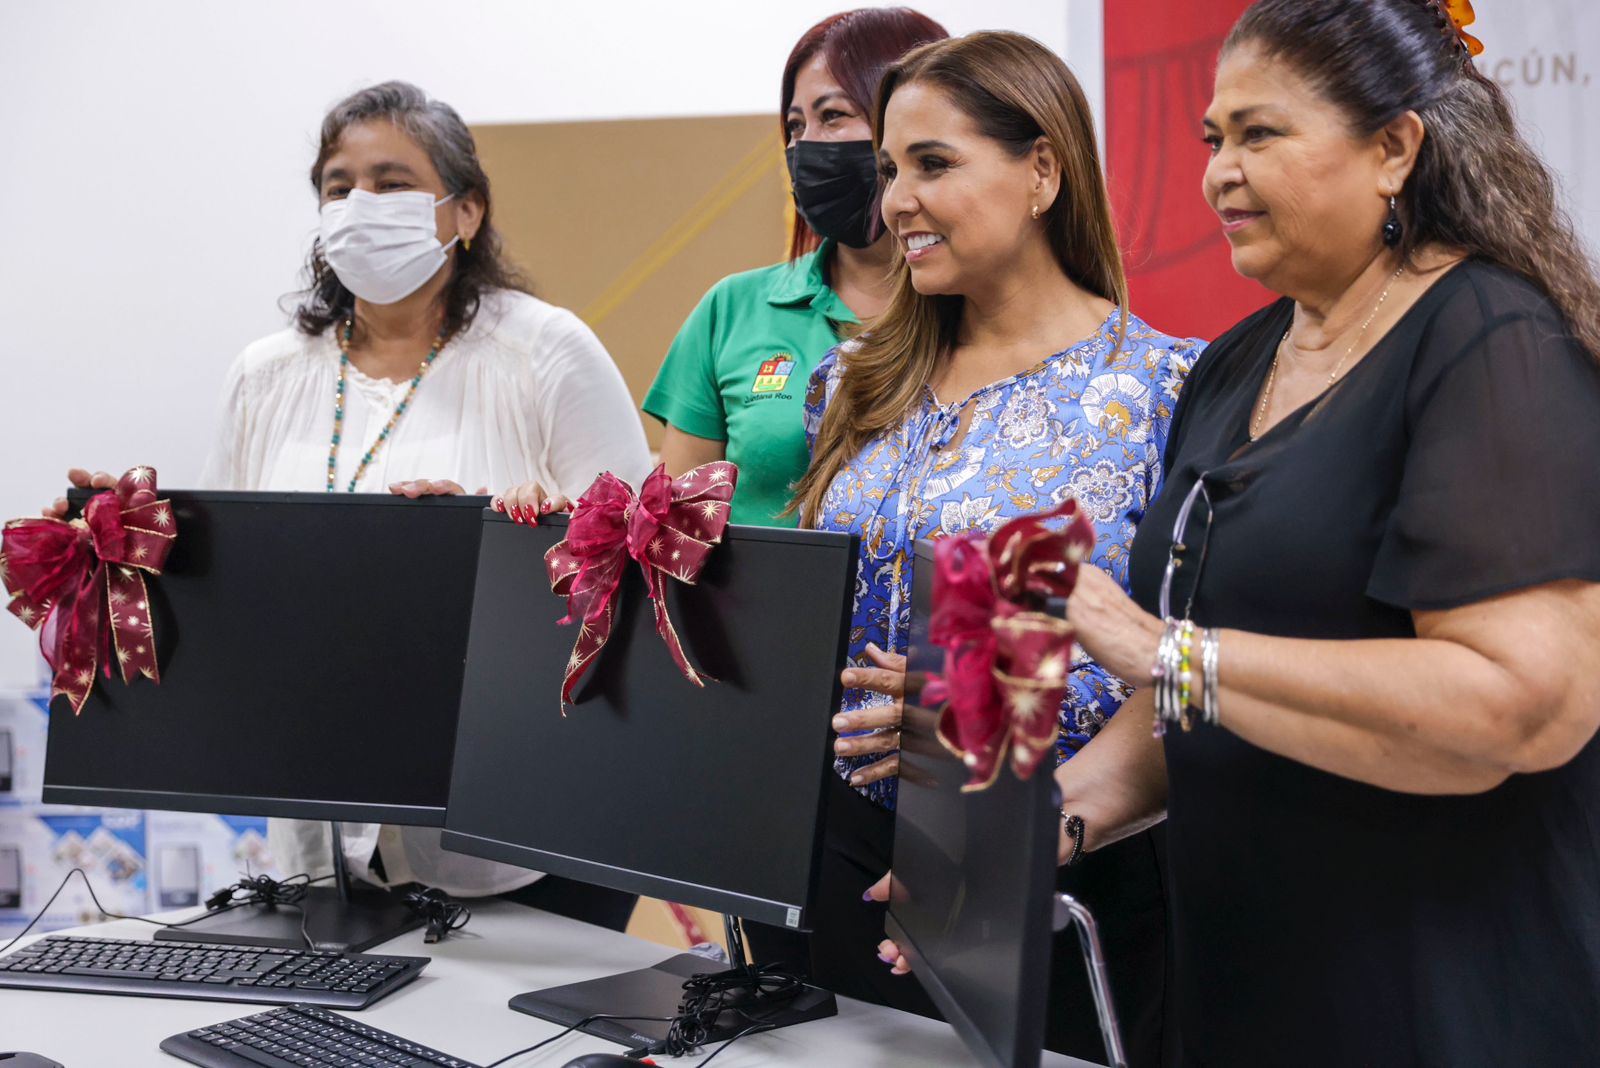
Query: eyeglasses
point(1177, 553)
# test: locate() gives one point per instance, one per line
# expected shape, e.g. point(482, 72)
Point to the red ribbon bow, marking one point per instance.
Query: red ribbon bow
point(81, 583)
point(669, 527)
point(1006, 661)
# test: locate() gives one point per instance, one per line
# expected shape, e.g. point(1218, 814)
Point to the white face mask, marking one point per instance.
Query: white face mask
point(384, 246)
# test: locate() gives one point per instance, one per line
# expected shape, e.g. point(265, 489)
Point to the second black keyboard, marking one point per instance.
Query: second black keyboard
point(209, 971)
point(302, 1037)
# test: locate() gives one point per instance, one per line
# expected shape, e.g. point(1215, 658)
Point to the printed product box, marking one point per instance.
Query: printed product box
point(23, 722)
point(193, 854)
point(41, 844)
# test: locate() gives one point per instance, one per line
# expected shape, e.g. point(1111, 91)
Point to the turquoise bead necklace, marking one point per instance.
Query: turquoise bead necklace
point(394, 420)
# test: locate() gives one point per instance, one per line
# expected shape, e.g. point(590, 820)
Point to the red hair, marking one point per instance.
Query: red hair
point(857, 46)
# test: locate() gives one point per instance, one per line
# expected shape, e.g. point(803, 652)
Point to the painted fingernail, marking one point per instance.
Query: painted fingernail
point(866, 895)
point(886, 960)
point(856, 780)
point(546, 506)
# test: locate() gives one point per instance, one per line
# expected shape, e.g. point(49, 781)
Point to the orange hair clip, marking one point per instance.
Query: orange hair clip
point(1455, 16)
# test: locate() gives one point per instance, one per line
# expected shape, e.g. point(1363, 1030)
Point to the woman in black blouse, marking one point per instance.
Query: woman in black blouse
point(1383, 496)
point(1387, 850)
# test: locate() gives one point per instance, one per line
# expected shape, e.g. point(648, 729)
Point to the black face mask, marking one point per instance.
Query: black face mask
point(835, 187)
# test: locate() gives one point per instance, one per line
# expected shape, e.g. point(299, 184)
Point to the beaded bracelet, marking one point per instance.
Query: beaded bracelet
point(1074, 828)
point(1185, 672)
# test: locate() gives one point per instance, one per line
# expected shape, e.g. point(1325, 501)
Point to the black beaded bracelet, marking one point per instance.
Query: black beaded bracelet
point(1074, 827)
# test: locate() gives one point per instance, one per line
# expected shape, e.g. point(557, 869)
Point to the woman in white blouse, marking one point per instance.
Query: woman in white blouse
point(418, 363)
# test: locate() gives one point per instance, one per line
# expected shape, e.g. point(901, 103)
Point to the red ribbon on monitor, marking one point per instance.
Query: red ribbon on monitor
point(670, 527)
point(80, 583)
point(1006, 660)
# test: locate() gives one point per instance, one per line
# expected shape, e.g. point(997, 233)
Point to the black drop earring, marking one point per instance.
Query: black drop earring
point(1392, 230)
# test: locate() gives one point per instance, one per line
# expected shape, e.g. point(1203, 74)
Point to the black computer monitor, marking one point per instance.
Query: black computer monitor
point(973, 901)
point(711, 797)
point(311, 650)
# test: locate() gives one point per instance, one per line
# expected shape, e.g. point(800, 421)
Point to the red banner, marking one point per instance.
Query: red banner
point(1160, 60)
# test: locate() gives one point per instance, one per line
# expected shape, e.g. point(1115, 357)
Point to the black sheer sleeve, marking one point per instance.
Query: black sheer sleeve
point(1501, 488)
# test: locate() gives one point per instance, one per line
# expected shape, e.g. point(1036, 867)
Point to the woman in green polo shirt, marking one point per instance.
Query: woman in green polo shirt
point(734, 381)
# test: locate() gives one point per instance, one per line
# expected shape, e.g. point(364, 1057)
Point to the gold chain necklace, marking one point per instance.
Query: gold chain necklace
point(1272, 373)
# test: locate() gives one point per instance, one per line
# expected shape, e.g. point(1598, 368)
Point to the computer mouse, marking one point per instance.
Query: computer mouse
point(19, 1059)
point(604, 1060)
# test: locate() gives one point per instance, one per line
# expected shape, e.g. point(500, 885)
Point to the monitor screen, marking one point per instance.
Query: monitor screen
point(710, 797)
point(974, 875)
point(311, 649)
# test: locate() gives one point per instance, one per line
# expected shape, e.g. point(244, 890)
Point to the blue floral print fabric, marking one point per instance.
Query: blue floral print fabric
point(1088, 422)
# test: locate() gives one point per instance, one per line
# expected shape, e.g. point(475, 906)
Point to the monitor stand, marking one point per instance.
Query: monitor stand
point(1068, 910)
point(339, 917)
point(657, 991)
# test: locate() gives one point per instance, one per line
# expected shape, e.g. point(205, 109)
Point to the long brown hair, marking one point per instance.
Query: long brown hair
point(435, 126)
point(1477, 184)
point(1016, 91)
point(857, 46)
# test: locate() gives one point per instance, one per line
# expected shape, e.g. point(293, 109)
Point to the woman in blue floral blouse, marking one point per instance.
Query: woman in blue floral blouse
point(1088, 422)
point(1005, 377)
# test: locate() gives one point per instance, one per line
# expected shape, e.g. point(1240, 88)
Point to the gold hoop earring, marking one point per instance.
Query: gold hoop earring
point(466, 244)
point(1035, 212)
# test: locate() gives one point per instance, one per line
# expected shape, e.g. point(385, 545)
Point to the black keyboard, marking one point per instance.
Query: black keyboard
point(302, 1037)
point(209, 971)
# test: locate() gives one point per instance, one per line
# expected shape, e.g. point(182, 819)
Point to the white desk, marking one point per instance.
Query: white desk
point(459, 1006)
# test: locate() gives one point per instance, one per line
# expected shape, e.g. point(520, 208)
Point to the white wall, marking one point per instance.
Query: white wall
point(153, 183)
point(1546, 53)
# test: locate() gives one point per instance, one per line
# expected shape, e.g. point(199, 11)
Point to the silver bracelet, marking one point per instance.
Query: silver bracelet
point(1158, 679)
point(1164, 678)
point(1210, 654)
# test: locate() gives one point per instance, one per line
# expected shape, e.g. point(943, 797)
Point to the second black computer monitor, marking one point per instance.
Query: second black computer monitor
point(709, 796)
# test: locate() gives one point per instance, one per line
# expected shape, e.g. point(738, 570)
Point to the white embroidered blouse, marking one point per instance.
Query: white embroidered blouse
point(527, 392)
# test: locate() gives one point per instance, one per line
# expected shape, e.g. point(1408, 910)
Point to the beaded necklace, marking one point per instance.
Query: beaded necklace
point(394, 420)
